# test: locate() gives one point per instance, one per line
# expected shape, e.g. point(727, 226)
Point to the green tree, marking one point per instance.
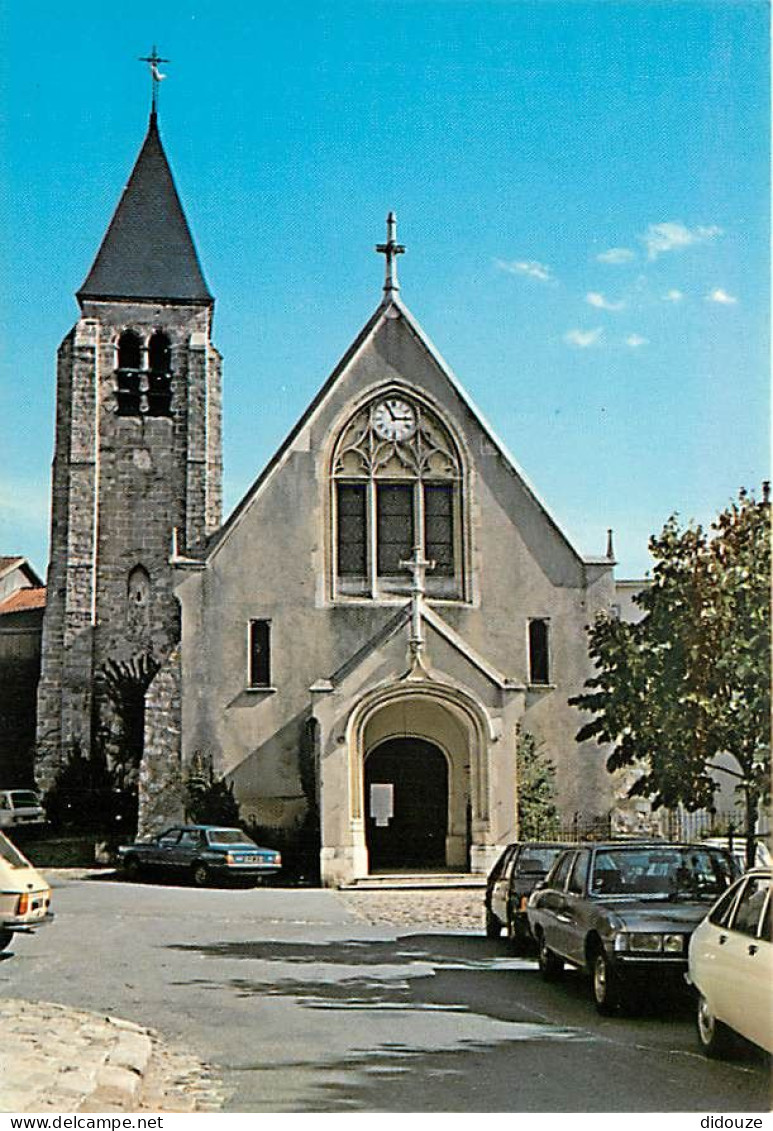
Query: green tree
point(691, 680)
point(210, 800)
point(537, 809)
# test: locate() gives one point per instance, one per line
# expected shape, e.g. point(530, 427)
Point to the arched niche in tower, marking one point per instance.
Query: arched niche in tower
point(159, 393)
point(129, 364)
point(138, 597)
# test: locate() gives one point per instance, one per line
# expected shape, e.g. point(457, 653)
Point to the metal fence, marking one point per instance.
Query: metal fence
point(672, 824)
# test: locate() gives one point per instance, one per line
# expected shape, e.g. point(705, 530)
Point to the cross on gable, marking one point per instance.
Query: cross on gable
point(391, 249)
point(417, 565)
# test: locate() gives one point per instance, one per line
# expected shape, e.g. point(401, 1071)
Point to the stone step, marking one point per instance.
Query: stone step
point(420, 881)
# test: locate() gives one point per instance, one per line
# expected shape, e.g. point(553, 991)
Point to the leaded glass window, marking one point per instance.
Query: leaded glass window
point(397, 483)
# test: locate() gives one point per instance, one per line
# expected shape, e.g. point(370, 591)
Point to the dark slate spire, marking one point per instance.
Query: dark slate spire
point(148, 250)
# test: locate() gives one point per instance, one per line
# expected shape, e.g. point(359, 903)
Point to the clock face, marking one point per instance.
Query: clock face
point(394, 419)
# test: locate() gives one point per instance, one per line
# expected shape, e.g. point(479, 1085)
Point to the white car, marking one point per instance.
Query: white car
point(731, 966)
point(24, 894)
point(20, 807)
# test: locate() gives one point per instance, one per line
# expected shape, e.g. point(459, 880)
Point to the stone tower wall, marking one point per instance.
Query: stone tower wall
point(121, 484)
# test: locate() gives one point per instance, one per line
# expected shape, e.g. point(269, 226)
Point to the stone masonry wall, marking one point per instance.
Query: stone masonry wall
point(161, 776)
point(121, 484)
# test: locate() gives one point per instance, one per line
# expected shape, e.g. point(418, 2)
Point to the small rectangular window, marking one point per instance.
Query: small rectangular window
point(260, 653)
point(539, 659)
point(351, 501)
point(439, 527)
point(395, 532)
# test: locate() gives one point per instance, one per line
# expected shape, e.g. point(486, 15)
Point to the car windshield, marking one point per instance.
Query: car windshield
point(10, 854)
point(24, 799)
point(229, 836)
point(666, 871)
point(535, 860)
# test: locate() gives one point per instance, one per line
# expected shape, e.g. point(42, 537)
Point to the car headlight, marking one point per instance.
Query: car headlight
point(645, 941)
point(673, 944)
point(229, 858)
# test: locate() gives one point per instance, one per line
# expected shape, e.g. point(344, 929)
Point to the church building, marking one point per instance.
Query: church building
point(384, 615)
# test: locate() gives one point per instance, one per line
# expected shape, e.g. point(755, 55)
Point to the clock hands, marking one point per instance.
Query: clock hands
point(408, 415)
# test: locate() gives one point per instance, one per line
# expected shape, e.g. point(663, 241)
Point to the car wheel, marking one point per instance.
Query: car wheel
point(516, 932)
point(132, 867)
point(605, 982)
point(200, 875)
point(715, 1038)
point(493, 926)
point(550, 965)
point(5, 938)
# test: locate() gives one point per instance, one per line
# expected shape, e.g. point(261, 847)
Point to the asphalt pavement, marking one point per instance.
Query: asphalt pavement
point(302, 1005)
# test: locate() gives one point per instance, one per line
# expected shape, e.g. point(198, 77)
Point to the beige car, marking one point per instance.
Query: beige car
point(24, 894)
point(731, 966)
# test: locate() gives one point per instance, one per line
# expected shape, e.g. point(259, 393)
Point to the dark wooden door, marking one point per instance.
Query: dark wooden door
point(415, 836)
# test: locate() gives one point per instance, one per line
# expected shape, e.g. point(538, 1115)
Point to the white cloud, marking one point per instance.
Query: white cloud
point(722, 297)
point(673, 296)
point(616, 255)
point(673, 236)
point(636, 340)
point(583, 338)
point(525, 267)
point(601, 303)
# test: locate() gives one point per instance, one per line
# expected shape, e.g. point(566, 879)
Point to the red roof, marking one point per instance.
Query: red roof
point(6, 562)
point(24, 599)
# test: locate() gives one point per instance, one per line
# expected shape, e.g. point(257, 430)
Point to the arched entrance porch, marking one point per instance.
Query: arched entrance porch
point(457, 728)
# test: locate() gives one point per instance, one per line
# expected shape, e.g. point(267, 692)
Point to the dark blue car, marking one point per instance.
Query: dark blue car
point(203, 853)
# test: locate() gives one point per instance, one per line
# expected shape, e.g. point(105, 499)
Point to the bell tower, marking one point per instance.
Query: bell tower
point(137, 466)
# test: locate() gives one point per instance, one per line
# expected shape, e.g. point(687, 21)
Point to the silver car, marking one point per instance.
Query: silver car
point(623, 911)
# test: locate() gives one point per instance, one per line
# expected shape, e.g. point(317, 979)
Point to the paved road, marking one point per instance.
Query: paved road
point(305, 1007)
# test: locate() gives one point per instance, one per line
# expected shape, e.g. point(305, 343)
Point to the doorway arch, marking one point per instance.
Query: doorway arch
point(406, 797)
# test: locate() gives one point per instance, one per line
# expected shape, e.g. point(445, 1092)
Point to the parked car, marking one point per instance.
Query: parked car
point(623, 911)
point(25, 896)
point(510, 883)
point(20, 807)
point(731, 966)
point(203, 853)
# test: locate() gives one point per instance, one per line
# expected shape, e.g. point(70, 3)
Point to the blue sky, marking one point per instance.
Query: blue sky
point(519, 143)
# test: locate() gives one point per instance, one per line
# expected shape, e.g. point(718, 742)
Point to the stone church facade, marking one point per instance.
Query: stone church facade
point(382, 615)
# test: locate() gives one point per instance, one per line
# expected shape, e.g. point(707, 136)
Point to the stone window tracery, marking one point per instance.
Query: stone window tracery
point(398, 482)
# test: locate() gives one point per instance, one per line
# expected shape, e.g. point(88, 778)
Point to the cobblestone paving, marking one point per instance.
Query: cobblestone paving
point(53, 1059)
point(178, 1082)
point(459, 910)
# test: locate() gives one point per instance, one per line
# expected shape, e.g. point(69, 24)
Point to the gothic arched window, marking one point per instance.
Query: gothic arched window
point(397, 478)
point(159, 375)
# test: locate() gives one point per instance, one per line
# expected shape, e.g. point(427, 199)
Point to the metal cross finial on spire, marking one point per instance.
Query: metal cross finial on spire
point(156, 78)
point(391, 249)
point(417, 565)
